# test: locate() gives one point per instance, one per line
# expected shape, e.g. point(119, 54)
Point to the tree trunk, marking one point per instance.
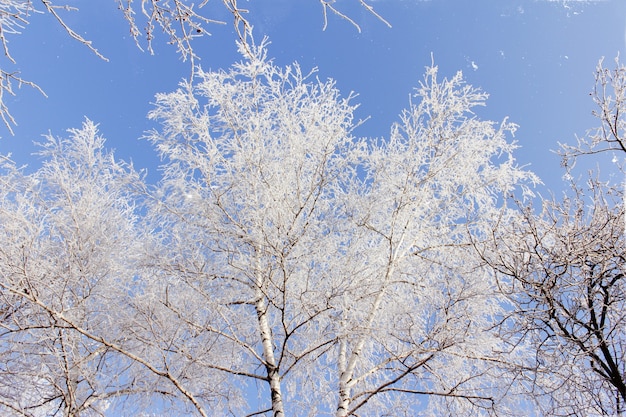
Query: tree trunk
point(344, 389)
point(273, 376)
point(347, 368)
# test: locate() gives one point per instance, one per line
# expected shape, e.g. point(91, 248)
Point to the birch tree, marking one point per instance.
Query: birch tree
point(334, 275)
point(65, 270)
point(282, 266)
point(255, 156)
point(420, 328)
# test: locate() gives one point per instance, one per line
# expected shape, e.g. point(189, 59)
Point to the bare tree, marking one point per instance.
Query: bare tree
point(180, 20)
point(609, 95)
point(567, 265)
point(14, 16)
point(335, 274)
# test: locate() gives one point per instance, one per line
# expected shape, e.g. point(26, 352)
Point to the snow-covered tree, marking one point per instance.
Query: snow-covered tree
point(281, 266)
point(332, 275)
point(65, 273)
point(426, 303)
point(567, 265)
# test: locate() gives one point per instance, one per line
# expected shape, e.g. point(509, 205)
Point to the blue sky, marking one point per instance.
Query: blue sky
point(535, 57)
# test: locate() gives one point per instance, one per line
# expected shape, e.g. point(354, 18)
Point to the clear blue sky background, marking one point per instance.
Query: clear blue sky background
point(535, 57)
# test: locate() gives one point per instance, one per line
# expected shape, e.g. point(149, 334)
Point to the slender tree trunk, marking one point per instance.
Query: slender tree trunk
point(273, 377)
point(344, 389)
point(347, 368)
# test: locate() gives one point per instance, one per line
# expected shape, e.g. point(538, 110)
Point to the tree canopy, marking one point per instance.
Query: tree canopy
point(284, 265)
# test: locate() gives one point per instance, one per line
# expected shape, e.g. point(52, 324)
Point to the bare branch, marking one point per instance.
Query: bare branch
point(52, 9)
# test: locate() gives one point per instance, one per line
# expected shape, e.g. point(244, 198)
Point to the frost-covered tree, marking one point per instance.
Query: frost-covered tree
point(420, 329)
point(282, 266)
point(329, 274)
point(249, 214)
point(65, 273)
point(567, 265)
point(609, 96)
